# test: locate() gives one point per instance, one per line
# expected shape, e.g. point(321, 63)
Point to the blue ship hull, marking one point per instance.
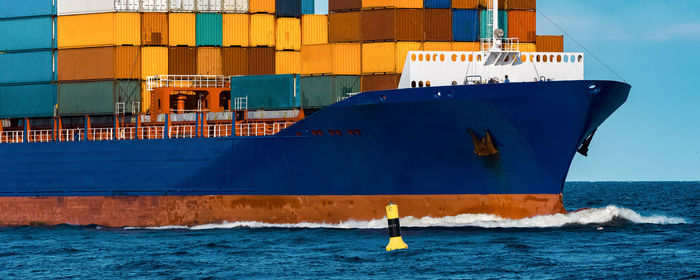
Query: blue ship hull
point(410, 142)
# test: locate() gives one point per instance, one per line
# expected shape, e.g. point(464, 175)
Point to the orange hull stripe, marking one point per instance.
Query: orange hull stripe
point(145, 211)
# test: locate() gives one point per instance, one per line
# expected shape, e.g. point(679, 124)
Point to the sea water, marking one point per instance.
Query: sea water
point(635, 230)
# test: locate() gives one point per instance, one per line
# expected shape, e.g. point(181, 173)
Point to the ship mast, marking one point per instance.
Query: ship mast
point(496, 45)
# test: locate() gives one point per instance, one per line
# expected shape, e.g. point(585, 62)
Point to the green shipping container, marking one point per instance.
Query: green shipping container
point(209, 29)
point(322, 91)
point(27, 101)
point(267, 92)
point(485, 22)
point(97, 98)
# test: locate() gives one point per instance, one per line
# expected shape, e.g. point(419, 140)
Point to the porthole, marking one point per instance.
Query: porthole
point(420, 57)
point(427, 57)
point(544, 58)
point(435, 57)
point(532, 58)
point(454, 58)
point(566, 58)
point(420, 83)
point(478, 58)
point(442, 57)
point(551, 58)
point(471, 57)
point(438, 94)
point(558, 58)
point(427, 84)
point(573, 59)
point(413, 57)
point(538, 58)
point(580, 58)
point(523, 58)
point(413, 84)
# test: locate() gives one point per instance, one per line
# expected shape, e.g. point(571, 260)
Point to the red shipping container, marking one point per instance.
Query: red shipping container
point(438, 25)
point(345, 27)
point(380, 82)
point(344, 5)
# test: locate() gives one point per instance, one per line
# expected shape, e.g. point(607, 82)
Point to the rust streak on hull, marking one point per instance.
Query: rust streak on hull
point(145, 211)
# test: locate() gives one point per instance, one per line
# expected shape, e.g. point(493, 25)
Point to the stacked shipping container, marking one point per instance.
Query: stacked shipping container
point(104, 49)
point(27, 59)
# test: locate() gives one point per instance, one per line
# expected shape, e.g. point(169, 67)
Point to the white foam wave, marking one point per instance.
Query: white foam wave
point(593, 216)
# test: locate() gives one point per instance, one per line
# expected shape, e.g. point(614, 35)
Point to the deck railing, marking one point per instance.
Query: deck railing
point(144, 132)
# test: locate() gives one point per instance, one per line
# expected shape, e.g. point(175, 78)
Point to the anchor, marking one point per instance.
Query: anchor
point(483, 147)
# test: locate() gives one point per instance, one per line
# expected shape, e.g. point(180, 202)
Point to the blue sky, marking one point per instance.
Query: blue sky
point(651, 44)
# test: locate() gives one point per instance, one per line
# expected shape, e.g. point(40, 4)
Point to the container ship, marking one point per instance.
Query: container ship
point(153, 113)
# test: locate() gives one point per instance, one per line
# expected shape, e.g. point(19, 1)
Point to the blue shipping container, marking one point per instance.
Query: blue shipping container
point(209, 29)
point(27, 67)
point(268, 91)
point(437, 4)
point(486, 30)
point(27, 101)
point(308, 7)
point(26, 8)
point(465, 25)
point(288, 8)
point(33, 33)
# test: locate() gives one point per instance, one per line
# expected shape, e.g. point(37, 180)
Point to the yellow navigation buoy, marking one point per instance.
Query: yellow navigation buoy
point(395, 240)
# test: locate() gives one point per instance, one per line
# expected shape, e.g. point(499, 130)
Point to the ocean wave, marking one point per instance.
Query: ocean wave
point(593, 216)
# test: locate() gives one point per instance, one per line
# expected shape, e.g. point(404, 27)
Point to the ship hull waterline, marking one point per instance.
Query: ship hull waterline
point(412, 147)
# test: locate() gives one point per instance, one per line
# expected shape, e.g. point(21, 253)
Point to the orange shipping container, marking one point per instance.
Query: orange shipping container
point(261, 61)
point(288, 34)
point(438, 24)
point(235, 61)
point(380, 82)
point(262, 30)
point(392, 3)
point(392, 25)
point(236, 28)
point(262, 6)
point(467, 4)
point(345, 27)
point(93, 30)
point(314, 29)
point(99, 63)
point(527, 47)
point(521, 4)
point(347, 58)
point(288, 62)
point(209, 61)
point(522, 25)
point(437, 46)
point(182, 61)
point(154, 29)
point(181, 29)
point(386, 57)
point(466, 46)
point(154, 61)
point(316, 59)
point(550, 43)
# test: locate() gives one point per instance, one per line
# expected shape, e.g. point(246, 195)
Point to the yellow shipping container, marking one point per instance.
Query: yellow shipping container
point(314, 29)
point(154, 61)
point(466, 46)
point(262, 30)
point(209, 61)
point(93, 30)
point(236, 30)
point(392, 3)
point(288, 62)
point(316, 59)
point(288, 34)
point(347, 58)
point(437, 46)
point(145, 99)
point(528, 47)
point(386, 57)
point(181, 29)
point(262, 6)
